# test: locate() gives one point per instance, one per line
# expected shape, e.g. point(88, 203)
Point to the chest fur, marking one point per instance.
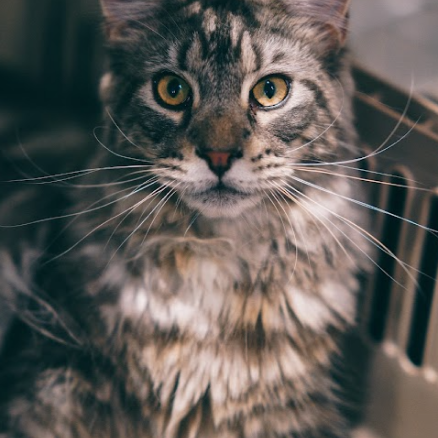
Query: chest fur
point(242, 323)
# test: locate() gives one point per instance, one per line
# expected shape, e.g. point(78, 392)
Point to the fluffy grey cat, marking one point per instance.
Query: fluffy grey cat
point(204, 285)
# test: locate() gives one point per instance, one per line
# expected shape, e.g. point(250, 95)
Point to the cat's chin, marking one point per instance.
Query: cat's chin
point(216, 205)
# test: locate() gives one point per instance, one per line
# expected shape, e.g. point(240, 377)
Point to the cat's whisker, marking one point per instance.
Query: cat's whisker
point(194, 219)
point(291, 228)
point(119, 181)
point(313, 218)
point(365, 234)
point(101, 225)
point(346, 236)
point(148, 183)
point(121, 131)
point(130, 210)
point(378, 151)
point(278, 212)
point(154, 194)
point(179, 201)
point(113, 152)
point(77, 173)
point(382, 174)
point(27, 156)
point(165, 200)
point(301, 203)
point(359, 178)
point(321, 134)
point(285, 192)
point(330, 125)
point(159, 206)
point(361, 203)
point(90, 208)
point(76, 214)
point(383, 147)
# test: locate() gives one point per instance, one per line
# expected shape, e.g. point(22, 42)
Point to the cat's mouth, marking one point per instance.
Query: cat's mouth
point(222, 193)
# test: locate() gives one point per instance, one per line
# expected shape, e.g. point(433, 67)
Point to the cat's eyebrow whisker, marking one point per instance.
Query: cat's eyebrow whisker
point(358, 178)
point(142, 24)
point(173, 20)
point(362, 204)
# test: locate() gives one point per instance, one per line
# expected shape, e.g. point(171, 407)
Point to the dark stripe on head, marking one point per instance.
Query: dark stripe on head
point(320, 98)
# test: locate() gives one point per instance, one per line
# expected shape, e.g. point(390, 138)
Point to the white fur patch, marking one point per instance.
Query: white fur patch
point(236, 27)
point(210, 21)
point(193, 9)
point(311, 311)
point(341, 298)
point(249, 59)
point(133, 300)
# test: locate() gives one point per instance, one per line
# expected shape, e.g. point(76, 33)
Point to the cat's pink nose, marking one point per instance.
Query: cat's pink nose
point(219, 159)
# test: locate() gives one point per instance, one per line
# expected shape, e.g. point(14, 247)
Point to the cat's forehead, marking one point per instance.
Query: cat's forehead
point(220, 39)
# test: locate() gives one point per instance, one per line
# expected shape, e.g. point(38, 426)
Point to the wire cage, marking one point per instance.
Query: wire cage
point(53, 60)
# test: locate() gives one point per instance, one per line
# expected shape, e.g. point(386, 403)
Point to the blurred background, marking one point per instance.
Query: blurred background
point(398, 40)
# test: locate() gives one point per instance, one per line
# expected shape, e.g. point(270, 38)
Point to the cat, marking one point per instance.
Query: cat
point(206, 272)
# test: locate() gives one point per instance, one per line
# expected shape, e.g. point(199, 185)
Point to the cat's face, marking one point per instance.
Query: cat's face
point(227, 98)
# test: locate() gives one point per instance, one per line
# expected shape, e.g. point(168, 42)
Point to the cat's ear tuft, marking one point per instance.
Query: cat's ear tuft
point(120, 13)
point(331, 15)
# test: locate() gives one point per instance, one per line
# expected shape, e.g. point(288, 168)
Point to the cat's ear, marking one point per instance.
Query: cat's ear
point(120, 13)
point(332, 16)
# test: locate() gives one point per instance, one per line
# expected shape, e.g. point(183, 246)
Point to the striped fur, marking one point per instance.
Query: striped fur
point(190, 310)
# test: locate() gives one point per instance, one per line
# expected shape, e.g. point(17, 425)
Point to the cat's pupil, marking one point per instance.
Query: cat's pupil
point(269, 89)
point(174, 87)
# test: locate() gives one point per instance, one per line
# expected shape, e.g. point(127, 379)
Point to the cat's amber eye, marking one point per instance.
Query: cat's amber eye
point(271, 91)
point(172, 91)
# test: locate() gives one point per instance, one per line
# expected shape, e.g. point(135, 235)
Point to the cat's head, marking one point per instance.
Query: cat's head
point(228, 98)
